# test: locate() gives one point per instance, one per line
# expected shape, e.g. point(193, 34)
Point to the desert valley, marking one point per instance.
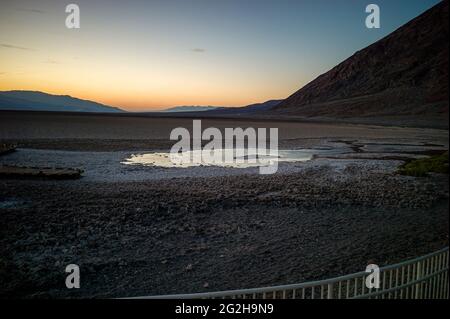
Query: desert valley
point(364, 180)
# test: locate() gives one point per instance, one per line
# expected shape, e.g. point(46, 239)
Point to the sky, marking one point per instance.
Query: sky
point(152, 54)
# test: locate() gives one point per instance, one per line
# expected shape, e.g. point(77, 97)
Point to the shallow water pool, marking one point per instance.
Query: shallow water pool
point(233, 158)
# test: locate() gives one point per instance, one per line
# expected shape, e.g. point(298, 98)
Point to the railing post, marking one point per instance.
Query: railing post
point(418, 277)
point(330, 291)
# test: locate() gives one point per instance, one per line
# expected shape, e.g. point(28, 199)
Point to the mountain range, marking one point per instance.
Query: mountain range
point(220, 110)
point(245, 110)
point(194, 108)
point(39, 101)
point(400, 79)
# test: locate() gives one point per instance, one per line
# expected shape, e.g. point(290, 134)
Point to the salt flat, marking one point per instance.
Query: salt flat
point(153, 230)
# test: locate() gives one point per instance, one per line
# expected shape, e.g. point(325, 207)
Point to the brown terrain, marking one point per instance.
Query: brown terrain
point(137, 230)
point(401, 79)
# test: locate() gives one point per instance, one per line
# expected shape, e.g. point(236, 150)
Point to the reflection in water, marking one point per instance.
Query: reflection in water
point(236, 158)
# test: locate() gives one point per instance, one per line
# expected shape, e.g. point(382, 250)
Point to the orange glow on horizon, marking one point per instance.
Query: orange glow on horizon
point(133, 88)
point(139, 103)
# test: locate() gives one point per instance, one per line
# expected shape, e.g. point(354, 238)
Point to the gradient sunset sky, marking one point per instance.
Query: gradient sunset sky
point(143, 55)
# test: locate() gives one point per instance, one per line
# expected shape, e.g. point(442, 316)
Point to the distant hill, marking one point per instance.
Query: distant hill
point(403, 76)
point(218, 110)
point(190, 109)
point(252, 108)
point(39, 101)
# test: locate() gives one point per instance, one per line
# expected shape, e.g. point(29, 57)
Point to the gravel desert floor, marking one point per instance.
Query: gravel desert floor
point(140, 230)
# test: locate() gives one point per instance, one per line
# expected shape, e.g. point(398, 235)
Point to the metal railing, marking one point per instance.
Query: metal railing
point(424, 277)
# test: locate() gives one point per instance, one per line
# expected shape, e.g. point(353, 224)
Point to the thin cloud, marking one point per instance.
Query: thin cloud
point(198, 50)
point(10, 46)
point(31, 10)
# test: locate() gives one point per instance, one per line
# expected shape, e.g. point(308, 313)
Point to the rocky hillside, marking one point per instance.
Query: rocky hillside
point(403, 75)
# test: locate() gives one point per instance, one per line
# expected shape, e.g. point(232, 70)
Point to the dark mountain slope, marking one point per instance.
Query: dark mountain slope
point(403, 74)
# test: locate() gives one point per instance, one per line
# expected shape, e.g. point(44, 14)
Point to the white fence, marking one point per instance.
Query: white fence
point(425, 277)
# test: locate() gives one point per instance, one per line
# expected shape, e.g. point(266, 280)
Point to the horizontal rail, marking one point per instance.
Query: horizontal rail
point(396, 288)
point(329, 283)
